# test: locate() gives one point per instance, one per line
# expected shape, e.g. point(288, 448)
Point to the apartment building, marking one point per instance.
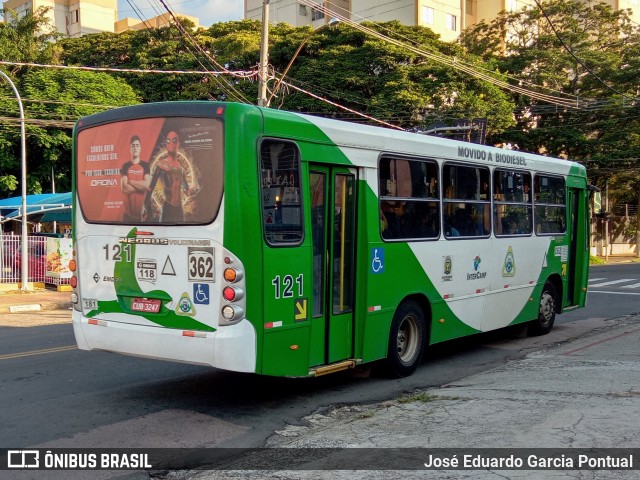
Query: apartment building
point(73, 18)
point(291, 12)
point(445, 17)
point(156, 22)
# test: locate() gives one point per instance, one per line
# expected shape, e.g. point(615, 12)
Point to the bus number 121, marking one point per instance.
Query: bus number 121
point(117, 251)
point(284, 286)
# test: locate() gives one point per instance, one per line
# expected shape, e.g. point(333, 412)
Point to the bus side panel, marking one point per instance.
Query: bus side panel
point(242, 225)
point(287, 315)
point(399, 275)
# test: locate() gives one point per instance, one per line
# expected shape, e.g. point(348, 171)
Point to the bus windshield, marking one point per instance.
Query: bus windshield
point(151, 171)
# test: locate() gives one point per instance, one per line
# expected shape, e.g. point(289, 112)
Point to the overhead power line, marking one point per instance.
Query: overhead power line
point(342, 107)
point(228, 87)
point(479, 67)
point(455, 63)
point(244, 74)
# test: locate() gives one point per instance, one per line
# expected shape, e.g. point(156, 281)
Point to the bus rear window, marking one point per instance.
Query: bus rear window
point(151, 171)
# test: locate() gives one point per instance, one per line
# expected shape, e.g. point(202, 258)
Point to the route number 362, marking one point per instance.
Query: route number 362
point(201, 264)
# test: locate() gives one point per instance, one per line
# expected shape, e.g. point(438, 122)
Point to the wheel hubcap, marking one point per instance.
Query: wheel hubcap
point(408, 339)
point(547, 308)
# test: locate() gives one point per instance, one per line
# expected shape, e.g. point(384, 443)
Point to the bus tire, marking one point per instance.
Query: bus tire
point(407, 340)
point(546, 312)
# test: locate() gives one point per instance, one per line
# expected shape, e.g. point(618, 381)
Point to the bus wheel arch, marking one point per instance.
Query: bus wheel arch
point(408, 336)
point(548, 306)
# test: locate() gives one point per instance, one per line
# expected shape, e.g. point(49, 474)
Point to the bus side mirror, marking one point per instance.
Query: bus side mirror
point(597, 203)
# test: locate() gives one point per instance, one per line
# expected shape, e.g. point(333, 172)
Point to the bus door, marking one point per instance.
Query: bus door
point(332, 227)
point(578, 246)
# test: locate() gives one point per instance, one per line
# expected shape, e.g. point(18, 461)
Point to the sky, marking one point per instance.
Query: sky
point(209, 11)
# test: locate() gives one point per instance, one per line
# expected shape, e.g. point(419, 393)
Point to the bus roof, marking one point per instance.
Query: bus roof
point(352, 135)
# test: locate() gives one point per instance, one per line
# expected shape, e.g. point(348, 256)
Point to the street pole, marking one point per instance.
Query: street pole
point(24, 270)
point(606, 223)
point(264, 56)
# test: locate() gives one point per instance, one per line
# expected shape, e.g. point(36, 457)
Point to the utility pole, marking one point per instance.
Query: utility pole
point(264, 56)
point(606, 223)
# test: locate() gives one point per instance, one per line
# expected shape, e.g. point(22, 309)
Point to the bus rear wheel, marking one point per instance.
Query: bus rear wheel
point(407, 339)
point(546, 312)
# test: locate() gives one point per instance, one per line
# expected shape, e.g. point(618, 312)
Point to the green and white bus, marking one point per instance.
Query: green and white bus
point(257, 240)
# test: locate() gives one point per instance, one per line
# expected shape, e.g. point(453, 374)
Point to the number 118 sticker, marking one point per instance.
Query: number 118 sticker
point(201, 264)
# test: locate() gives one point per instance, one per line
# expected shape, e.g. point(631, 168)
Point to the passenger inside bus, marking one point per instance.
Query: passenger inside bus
point(389, 221)
point(460, 224)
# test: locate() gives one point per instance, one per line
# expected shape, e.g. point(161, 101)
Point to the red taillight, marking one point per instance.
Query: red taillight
point(73, 281)
point(229, 294)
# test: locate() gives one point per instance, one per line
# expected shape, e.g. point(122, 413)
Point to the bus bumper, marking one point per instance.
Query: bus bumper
point(229, 348)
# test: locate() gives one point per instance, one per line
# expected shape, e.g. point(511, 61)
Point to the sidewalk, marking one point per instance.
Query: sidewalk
point(616, 259)
point(18, 301)
point(580, 393)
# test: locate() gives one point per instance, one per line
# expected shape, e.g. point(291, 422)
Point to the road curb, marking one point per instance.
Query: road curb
point(35, 307)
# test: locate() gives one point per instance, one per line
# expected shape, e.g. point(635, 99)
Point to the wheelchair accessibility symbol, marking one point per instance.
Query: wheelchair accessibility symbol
point(377, 260)
point(201, 293)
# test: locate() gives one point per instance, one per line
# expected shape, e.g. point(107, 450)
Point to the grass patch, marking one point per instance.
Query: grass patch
point(367, 414)
point(422, 397)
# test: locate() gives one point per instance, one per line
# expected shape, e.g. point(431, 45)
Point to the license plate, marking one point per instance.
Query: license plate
point(145, 305)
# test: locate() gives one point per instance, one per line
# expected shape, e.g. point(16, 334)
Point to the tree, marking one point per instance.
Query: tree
point(386, 81)
point(53, 100)
point(340, 63)
point(584, 51)
point(76, 93)
point(26, 38)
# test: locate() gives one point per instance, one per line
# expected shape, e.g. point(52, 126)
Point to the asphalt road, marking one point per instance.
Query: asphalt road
point(55, 395)
point(614, 290)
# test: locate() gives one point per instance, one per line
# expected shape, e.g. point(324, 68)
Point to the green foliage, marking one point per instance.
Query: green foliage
point(27, 38)
point(359, 71)
point(76, 93)
point(383, 80)
point(591, 53)
point(337, 62)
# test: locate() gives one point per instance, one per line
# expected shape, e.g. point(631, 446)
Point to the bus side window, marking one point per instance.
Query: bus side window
point(467, 203)
point(409, 203)
point(512, 211)
point(549, 205)
point(281, 195)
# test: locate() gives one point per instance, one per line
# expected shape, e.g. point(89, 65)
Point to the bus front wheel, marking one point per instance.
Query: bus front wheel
point(407, 339)
point(546, 312)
